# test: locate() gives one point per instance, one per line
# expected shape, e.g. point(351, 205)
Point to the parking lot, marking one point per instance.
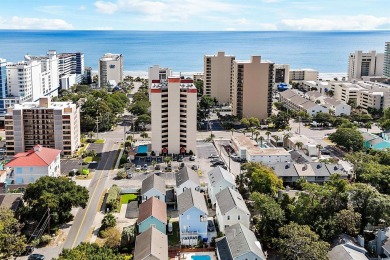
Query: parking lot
point(68, 165)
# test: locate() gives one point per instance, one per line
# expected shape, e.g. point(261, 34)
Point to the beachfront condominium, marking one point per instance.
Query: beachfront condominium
point(303, 75)
point(50, 124)
point(361, 64)
point(282, 73)
point(173, 107)
point(157, 74)
point(386, 69)
point(110, 68)
point(70, 69)
point(252, 88)
point(218, 71)
point(3, 84)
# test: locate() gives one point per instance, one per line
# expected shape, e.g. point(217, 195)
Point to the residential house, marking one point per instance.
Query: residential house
point(339, 108)
point(192, 216)
point(153, 186)
point(321, 172)
point(151, 245)
point(239, 243)
point(374, 142)
point(293, 101)
point(27, 167)
point(309, 145)
point(231, 209)
point(287, 172)
point(219, 179)
point(152, 212)
point(348, 249)
point(186, 178)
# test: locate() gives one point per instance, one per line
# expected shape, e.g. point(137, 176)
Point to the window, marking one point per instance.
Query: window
point(239, 217)
point(228, 217)
point(31, 169)
point(112, 66)
point(18, 170)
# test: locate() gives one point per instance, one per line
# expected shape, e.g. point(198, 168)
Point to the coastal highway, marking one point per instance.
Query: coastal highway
point(82, 224)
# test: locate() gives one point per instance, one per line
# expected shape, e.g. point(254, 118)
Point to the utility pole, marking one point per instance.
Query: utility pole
point(48, 223)
point(97, 127)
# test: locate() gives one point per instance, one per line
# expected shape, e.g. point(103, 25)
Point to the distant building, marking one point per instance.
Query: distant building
point(198, 76)
point(110, 68)
point(157, 74)
point(303, 74)
point(365, 64)
point(87, 79)
point(386, 66)
point(27, 167)
point(282, 73)
point(218, 70)
point(238, 244)
point(174, 113)
point(252, 88)
point(51, 124)
point(295, 102)
point(71, 69)
point(3, 85)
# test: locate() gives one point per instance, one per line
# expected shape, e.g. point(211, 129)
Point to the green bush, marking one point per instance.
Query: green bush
point(44, 240)
point(112, 197)
point(121, 175)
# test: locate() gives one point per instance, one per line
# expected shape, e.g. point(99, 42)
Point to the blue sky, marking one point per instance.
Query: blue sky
point(195, 15)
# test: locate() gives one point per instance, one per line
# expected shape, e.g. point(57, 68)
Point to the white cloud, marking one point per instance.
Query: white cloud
point(106, 7)
point(17, 22)
point(82, 8)
point(166, 10)
point(359, 22)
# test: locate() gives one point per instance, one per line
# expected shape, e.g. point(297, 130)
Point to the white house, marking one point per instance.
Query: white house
point(186, 178)
point(268, 156)
point(192, 216)
point(25, 168)
point(219, 179)
point(231, 209)
point(153, 186)
point(337, 107)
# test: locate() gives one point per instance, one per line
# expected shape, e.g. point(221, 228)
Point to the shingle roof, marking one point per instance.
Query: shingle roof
point(152, 244)
point(38, 156)
point(346, 252)
point(241, 241)
point(10, 200)
point(304, 170)
point(219, 174)
point(336, 168)
point(313, 94)
point(152, 207)
point(228, 199)
point(185, 174)
point(285, 170)
point(288, 93)
point(332, 101)
point(223, 248)
point(191, 198)
point(368, 136)
point(297, 100)
point(308, 105)
point(320, 169)
point(153, 181)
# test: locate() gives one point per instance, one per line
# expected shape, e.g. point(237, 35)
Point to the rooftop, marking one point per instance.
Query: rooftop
point(185, 174)
point(153, 182)
point(153, 207)
point(151, 244)
point(38, 156)
point(228, 199)
point(304, 170)
point(219, 174)
point(268, 151)
point(191, 198)
point(10, 200)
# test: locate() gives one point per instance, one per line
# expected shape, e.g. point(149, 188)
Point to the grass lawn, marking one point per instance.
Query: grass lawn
point(99, 141)
point(84, 177)
point(82, 149)
point(125, 198)
point(89, 159)
point(174, 238)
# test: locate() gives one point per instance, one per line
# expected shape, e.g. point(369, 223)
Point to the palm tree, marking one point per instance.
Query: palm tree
point(257, 133)
point(244, 132)
point(91, 134)
point(285, 137)
point(252, 130)
point(261, 138)
point(154, 163)
point(167, 159)
point(299, 145)
point(144, 135)
point(268, 134)
point(232, 131)
point(368, 125)
point(319, 147)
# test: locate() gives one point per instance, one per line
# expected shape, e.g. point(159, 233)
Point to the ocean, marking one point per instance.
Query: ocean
point(183, 51)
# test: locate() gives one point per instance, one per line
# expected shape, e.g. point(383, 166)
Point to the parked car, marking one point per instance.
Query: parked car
point(235, 158)
point(157, 167)
point(158, 173)
point(145, 167)
point(181, 165)
point(210, 226)
point(218, 163)
point(224, 166)
point(180, 158)
point(195, 167)
point(168, 168)
point(192, 158)
point(129, 175)
point(325, 152)
point(215, 160)
point(213, 156)
point(36, 257)
point(138, 168)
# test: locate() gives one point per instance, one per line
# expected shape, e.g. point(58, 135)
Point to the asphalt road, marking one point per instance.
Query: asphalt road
point(83, 221)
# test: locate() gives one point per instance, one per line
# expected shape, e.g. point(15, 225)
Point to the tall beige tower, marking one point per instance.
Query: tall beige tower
point(173, 107)
point(110, 68)
point(386, 65)
point(218, 71)
point(252, 88)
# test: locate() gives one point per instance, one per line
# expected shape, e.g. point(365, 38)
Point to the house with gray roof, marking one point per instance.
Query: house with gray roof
point(349, 248)
point(11, 201)
point(153, 186)
point(286, 171)
point(239, 243)
point(219, 179)
point(186, 178)
point(192, 216)
point(231, 209)
point(321, 172)
point(295, 102)
point(151, 245)
point(339, 108)
point(337, 168)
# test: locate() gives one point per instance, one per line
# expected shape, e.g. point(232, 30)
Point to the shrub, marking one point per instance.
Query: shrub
point(113, 237)
point(121, 175)
point(44, 240)
point(190, 152)
point(153, 153)
point(112, 197)
point(71, 174)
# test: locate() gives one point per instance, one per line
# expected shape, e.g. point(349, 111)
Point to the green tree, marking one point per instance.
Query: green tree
point(86, 251)
point(144, 135)
point(143, 119)
point(348, 221)
point(109, 221)
point(199, 87)
point(299, 242)
point(128, 235)
point(268, 134)
point(245, 122)
point(59, 195)
point(263, 179)
point(261, 138)
point(299, 145)
point(254, 122)
point(350, 138)
point(113, 237)
point(271, 217)
point(167, 159)
point(12, 242)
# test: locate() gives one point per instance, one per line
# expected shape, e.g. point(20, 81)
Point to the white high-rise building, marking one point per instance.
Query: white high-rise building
point(157, 74)
point(386, 66)
point(218, 72)
point(110, 68)
point(252, 88)
point(365, 64)
point(71, 69)
point(173, 107)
